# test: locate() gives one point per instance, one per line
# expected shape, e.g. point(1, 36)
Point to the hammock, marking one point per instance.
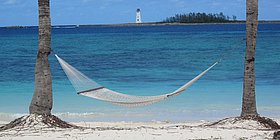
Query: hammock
point(87, 87)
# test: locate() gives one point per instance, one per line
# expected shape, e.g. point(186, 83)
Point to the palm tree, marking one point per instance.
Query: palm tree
point(249, 109)
point(41, 103)
point(249, 97)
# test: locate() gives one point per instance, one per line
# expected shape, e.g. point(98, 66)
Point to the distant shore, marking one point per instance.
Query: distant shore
point(164, 24)
point(145, 24)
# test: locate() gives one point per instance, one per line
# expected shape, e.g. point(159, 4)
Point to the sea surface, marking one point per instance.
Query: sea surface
point(144, 60)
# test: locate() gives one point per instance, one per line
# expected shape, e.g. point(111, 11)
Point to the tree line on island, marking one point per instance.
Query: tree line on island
point(200, 18)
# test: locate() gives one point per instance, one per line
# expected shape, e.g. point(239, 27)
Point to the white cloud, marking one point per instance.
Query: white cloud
point(11, 2)
point(110, 1)
point(85, 1)
point(277, 6)
point(178, 3)
point(215, 2)
point(102, 7)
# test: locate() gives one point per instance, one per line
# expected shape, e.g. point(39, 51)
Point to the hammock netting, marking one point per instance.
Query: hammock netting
point(87, 87)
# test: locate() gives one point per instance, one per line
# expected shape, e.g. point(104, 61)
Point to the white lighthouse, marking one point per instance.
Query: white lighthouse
point(138, 16)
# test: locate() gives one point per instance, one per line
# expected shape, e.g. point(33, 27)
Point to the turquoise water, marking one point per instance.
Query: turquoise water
point(144, 60)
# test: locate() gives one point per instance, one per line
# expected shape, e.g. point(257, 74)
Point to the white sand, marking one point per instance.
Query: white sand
point(143, 131)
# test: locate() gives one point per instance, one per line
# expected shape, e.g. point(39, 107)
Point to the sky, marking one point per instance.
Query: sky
point(63, 12)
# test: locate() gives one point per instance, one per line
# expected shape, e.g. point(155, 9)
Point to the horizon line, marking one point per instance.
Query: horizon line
point(142, 24)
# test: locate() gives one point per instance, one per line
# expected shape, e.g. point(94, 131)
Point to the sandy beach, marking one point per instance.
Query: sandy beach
point(143, 131)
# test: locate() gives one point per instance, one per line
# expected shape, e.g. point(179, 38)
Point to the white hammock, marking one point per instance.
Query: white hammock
point(87, 87)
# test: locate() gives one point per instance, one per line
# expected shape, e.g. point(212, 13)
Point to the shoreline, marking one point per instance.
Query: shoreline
point(135, 124)
point(134, 118)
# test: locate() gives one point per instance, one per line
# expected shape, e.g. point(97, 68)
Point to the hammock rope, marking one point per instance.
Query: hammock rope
point(87, 87)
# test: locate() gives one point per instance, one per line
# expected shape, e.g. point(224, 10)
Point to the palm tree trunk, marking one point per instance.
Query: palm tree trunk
point(249, 97)
point(42, 99)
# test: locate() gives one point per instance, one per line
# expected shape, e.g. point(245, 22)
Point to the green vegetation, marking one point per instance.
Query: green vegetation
point(200, 18)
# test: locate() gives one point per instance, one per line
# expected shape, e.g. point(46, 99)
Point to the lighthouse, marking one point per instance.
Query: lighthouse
point(138, 16)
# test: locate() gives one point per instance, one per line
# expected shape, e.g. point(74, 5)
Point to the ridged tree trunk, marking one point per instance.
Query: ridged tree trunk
point(249, 97)
point(42, 99)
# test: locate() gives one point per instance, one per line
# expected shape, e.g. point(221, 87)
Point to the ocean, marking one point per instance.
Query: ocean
point(144, 60)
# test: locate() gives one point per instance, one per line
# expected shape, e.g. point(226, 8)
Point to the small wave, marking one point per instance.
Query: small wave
point(147, 115)
point(79, 115)
point(7, 117)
